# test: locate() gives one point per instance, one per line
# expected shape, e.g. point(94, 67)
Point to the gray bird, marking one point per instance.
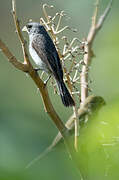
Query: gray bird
point(44, 54)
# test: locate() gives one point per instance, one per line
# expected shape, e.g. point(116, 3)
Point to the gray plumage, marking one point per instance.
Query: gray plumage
point(45, 55)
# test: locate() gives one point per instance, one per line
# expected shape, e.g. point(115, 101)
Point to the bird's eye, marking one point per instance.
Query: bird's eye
point(29, 26)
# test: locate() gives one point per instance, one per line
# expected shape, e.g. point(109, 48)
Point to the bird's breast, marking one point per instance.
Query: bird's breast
point(38, 61)
point(35, 56)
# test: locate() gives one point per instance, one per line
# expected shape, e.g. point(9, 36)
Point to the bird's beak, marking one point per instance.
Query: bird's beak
point(25, 29)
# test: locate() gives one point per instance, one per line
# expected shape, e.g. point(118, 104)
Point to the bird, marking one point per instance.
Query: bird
point(45, 56)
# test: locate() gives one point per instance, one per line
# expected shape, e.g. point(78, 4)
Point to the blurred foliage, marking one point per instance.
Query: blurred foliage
point(25, 130)
point(99, 152)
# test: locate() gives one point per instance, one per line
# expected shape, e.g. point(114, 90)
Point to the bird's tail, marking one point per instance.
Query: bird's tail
point(67, 100)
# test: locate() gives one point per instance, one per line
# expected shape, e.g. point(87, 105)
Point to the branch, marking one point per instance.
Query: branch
point(12, 59)
point(95, 27)
point(18, 30)
point(104, 15)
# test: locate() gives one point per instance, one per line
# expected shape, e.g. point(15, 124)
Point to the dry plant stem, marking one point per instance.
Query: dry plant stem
point(59, 21)
point(76, 120)
point(95, 27)
point(75, 112)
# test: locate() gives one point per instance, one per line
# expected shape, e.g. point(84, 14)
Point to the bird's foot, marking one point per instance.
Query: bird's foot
point(46, 81)
point(37, 69)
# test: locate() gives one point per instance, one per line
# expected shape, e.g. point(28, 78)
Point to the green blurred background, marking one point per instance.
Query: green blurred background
point(25, 130)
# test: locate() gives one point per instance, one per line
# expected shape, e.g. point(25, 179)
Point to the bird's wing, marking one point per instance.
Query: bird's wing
point(38, 46)
point(48, 54)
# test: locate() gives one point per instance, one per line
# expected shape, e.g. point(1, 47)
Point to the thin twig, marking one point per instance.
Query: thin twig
point(76, 120)
point(95, 27)
point(104, 15)
point(94, 18)
point(17, 25)
point(59, 21)
point(44, 11)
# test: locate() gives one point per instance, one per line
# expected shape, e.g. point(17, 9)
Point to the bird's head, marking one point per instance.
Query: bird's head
point(33, 27)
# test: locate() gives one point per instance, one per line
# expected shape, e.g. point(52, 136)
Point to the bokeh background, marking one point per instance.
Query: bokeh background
point(25, 130)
